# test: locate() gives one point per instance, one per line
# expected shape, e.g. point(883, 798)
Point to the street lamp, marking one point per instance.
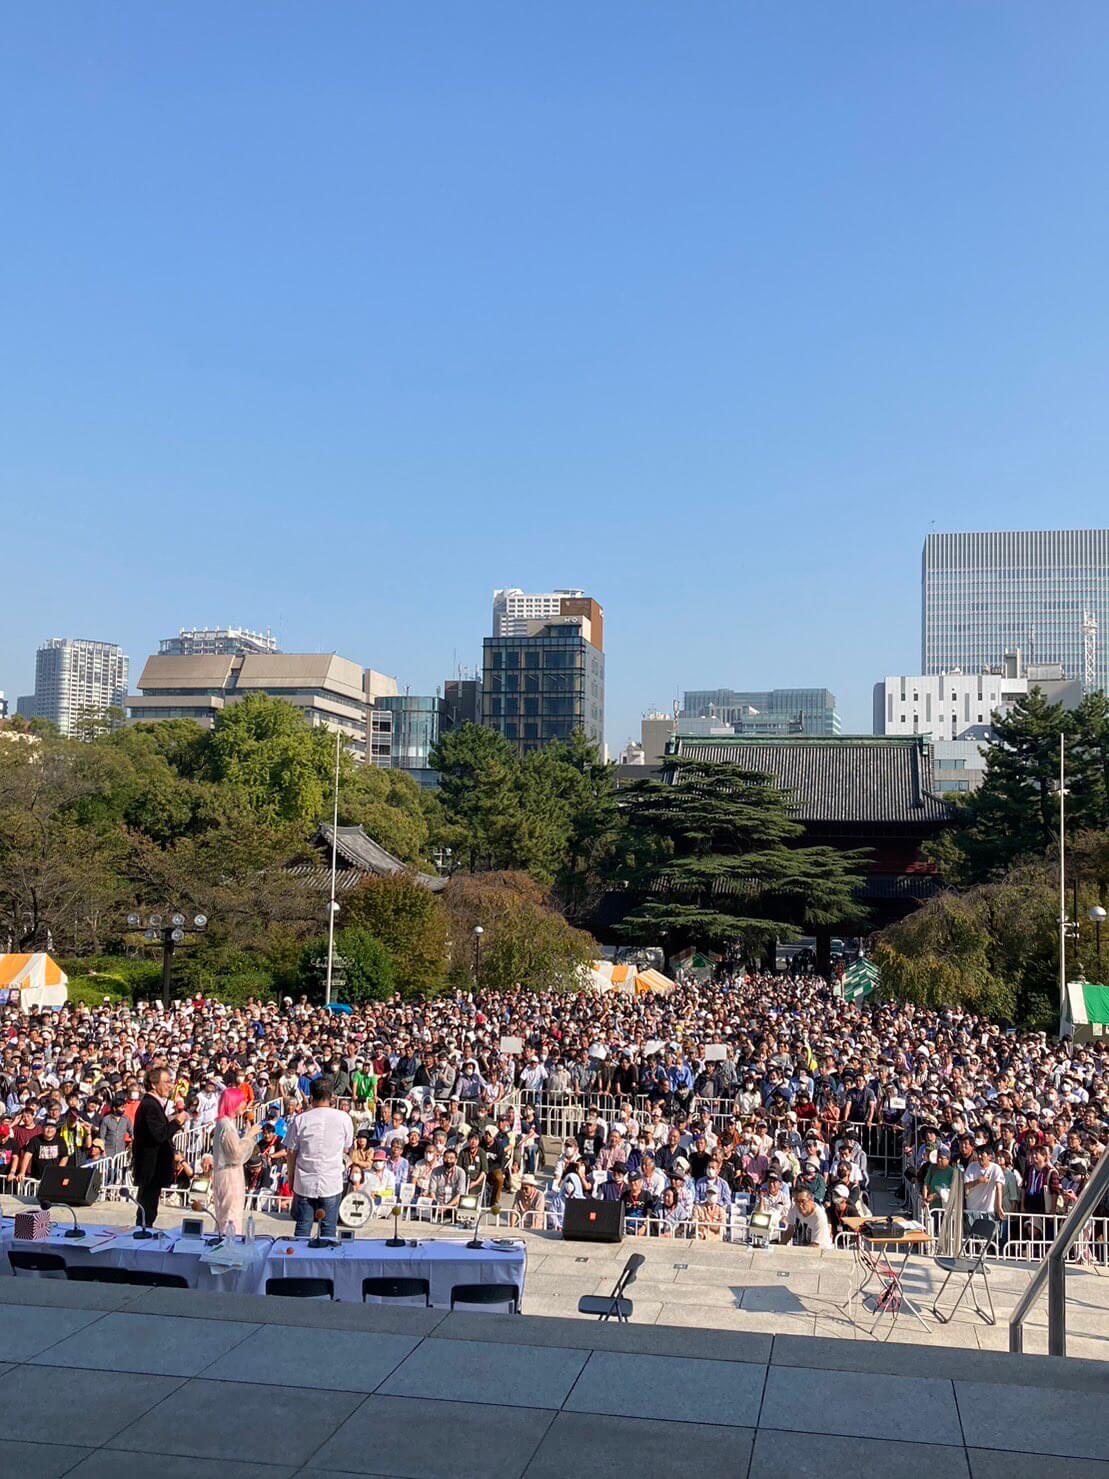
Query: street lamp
point(171, 930)
point(478, 932)
point(1097, 916)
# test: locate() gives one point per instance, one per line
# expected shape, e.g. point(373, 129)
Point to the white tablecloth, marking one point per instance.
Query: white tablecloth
point(170, 1253)
point(443, 1262)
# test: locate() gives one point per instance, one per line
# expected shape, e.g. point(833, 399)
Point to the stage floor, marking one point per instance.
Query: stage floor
point(97, 1380)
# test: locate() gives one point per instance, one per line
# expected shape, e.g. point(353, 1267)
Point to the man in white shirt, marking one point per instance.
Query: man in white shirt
point(806, 1224)
point(317, 1145)
point(983, 1185)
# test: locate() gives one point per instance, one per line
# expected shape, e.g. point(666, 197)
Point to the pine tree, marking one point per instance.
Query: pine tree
point(719, 862)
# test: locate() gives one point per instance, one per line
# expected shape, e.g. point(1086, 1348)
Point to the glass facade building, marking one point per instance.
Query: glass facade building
point(767, 712)
point(544, 686)
point(414, 724)
point(983, 595)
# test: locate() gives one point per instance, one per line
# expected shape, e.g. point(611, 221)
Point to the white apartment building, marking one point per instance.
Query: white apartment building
point(514, 608)
point(76, 680)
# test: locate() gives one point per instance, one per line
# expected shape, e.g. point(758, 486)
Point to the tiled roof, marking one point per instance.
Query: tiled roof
point(846, 779)
point(360, 852)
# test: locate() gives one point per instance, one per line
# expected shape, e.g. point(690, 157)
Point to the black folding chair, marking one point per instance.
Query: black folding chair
point(981, 1233)
point(37, 1265)
point(154, 1280)
point(487, 1294)
point(91, 1273)
point(397, 1290)
point(604, 1306)
point(302, 1288)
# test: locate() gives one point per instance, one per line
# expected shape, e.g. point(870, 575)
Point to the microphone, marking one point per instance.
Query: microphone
point(475, 1241)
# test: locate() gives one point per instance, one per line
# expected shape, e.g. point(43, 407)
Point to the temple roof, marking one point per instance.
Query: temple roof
point(848, 778)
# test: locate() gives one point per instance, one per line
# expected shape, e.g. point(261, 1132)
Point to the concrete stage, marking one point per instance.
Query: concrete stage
point(102, 1380)
point(776, 1291)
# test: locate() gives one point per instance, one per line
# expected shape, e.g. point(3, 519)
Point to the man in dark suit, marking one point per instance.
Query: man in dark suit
point(152, 1145)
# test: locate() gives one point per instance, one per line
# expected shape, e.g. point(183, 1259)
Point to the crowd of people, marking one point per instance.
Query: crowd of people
point(766, 1092)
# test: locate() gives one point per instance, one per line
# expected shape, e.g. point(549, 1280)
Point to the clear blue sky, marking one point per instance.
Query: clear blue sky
point(334, 317)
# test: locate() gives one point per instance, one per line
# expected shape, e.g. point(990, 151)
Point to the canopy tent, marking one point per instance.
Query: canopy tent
point(32, 981)
point(859, 980)
point(604, 976)
point(1085, 1013)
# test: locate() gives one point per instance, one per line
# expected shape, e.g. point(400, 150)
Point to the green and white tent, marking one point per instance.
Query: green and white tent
point(1085, 1014)
point(859, 980)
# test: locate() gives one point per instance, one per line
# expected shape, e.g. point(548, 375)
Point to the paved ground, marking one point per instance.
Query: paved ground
point(98, 1381)
point(779, 1291)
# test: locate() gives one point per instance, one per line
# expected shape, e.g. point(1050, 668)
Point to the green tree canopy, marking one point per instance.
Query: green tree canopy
point(410, 922)
point(718, 862)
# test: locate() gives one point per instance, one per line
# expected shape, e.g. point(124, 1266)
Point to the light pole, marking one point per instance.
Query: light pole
point(333, 908)
point(171, 929)
point(1097, 917)
point(1062, 879)
point(478, 932)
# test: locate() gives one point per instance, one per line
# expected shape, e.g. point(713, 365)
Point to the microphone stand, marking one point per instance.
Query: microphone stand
point(76, 1231)
point(475, 1241)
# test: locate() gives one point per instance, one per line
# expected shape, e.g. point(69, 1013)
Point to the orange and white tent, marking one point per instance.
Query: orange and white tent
point(627, 979)
point(32, 981)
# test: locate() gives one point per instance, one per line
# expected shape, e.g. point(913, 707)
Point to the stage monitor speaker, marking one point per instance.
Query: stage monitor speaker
point(70, 1186)
point(587, 1221)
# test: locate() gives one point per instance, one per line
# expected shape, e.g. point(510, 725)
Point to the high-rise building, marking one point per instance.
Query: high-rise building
point(514, 608)
point(216, 642)
point(1045, 592)
point(328, 689)
point(76, 681)
point(463, 697)
point(767, 712)
point(3, 706)
point(545, 682)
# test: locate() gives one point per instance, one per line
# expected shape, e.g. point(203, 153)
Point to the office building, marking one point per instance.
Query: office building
point(216, 642)
point(76, 681)
point(463, 696)
point(513, 609)
point(1045, 592)
point(3, 706)
point(545, 682)
point(956, 711)
point(766, 712)
point(328, 689)
point(405, 728)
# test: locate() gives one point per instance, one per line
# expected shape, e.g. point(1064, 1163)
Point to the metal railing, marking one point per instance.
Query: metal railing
point(1053, 1268)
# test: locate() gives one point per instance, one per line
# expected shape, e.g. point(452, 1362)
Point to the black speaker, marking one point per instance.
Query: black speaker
point(587, 1221)
point(70, 1186)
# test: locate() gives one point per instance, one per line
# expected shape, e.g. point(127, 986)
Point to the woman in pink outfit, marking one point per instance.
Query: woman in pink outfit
point(230, 1153)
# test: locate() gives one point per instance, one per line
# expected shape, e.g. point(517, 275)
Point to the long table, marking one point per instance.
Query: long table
point(444, 1262)
point(168, 1252)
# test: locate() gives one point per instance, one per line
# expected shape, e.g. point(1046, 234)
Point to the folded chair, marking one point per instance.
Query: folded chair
point(979, 1241)
point(604, 1306)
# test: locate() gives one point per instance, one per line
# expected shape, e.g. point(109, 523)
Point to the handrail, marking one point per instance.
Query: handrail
point(1053, 1268)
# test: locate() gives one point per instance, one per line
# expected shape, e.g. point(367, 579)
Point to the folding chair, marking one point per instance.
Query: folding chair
point(37, 1265)
point(604, 1306)
point(92, 1273)
point(983, 1232)
point(302, 1288)
point(397, 1291)
point(483, 1294)
point(152, 1279)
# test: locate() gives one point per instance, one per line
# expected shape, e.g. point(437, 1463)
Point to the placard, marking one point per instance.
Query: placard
point(715, 1051)
point(512, 1046)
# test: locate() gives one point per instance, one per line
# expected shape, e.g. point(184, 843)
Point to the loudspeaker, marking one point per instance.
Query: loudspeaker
point(70, 1186)
point(587, 1221)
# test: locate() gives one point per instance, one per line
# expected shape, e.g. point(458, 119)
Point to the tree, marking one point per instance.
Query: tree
point(480, 796)
point(410, 922)
point(367, 967)
point(525, 941)
point(282, 765)
point(389, 805)
point(720, 862)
